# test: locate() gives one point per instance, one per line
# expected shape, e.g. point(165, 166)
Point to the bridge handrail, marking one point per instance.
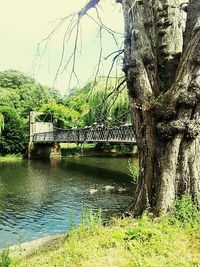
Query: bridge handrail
point(123, 133)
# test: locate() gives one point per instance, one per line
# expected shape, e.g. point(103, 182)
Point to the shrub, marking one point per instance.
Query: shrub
point(185, 211)
point(12, 139)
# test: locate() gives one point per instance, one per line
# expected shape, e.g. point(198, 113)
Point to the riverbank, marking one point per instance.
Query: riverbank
point(11, 157)
point(74, 150)
point(172, 240)
point(41, 197)
point(26, 249)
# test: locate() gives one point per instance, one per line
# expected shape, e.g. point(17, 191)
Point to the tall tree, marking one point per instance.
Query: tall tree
point(162, 69)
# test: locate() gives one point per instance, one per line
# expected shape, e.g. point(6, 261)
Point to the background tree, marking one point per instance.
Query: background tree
point(65, 117)
point(22, 93)
point(19, 94)
point(108, 102)
point(161, 64)
point(102, 102)
point(13, 139)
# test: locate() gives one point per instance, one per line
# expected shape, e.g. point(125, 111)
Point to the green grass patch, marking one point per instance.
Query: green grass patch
point(171, 240)
point(5, 260)
point(73, 145)
point(11, 157)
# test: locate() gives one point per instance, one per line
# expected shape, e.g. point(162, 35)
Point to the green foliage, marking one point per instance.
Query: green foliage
point(71, 223)
point(22, 93)
point(110, 110)
point(91, 217)
point(133, 171)
point(78, 101)
point(65, 117)
point(19, 94)
point(32, 97)
point(142, 232)
point(185, 211)
point(5, 259)
point(92, 104)
point(1, 122)
point(14, 79)
point(12, 139)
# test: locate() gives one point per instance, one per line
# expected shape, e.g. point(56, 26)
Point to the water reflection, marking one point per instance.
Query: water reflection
point(37, 197)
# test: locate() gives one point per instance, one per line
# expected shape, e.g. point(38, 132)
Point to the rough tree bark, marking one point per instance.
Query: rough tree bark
point(162, 68)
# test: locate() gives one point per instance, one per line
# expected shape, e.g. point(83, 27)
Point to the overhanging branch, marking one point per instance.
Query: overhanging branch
point(87, 7)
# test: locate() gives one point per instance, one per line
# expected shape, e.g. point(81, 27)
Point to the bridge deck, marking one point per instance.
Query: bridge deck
point(116, 135)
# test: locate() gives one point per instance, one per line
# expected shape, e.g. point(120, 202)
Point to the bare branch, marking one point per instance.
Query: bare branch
point(112, 65)
point(99, 61)
point(66, 38)
point(119, 52)
point(74, 31)
point(48, 38)
point(73, 72)
point(87, 7)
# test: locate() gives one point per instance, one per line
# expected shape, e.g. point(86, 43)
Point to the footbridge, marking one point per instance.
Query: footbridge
point(45, 136)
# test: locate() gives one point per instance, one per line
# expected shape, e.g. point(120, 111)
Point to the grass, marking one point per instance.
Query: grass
point(172, 240)
point(73, 145)
point(5, 259)
point(10, 157)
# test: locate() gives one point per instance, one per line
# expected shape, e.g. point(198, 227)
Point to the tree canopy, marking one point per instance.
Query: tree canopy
point(13, 138)
point(19, 94)
point(22, 93)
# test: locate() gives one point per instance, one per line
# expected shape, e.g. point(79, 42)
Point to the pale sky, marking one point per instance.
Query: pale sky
point(24, 23)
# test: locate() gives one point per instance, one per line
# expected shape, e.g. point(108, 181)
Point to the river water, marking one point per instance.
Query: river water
point(39, 198)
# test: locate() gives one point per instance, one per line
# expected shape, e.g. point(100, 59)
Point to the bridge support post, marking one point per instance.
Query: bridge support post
point(44, 150)
point(41, 150)
point(55, 151)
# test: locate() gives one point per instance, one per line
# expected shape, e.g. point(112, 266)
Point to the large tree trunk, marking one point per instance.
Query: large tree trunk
point(162, 67)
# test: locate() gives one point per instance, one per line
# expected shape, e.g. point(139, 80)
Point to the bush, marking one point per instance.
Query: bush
point(185, 211)
point(12, 140)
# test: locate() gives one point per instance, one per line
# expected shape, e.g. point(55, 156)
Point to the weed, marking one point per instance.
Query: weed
point(91, 217)
point(185, 211)
point(133, 171)
point(71, 221)
point(5, 260)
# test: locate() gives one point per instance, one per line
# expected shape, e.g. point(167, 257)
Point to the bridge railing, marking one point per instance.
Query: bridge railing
point(121, 134)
